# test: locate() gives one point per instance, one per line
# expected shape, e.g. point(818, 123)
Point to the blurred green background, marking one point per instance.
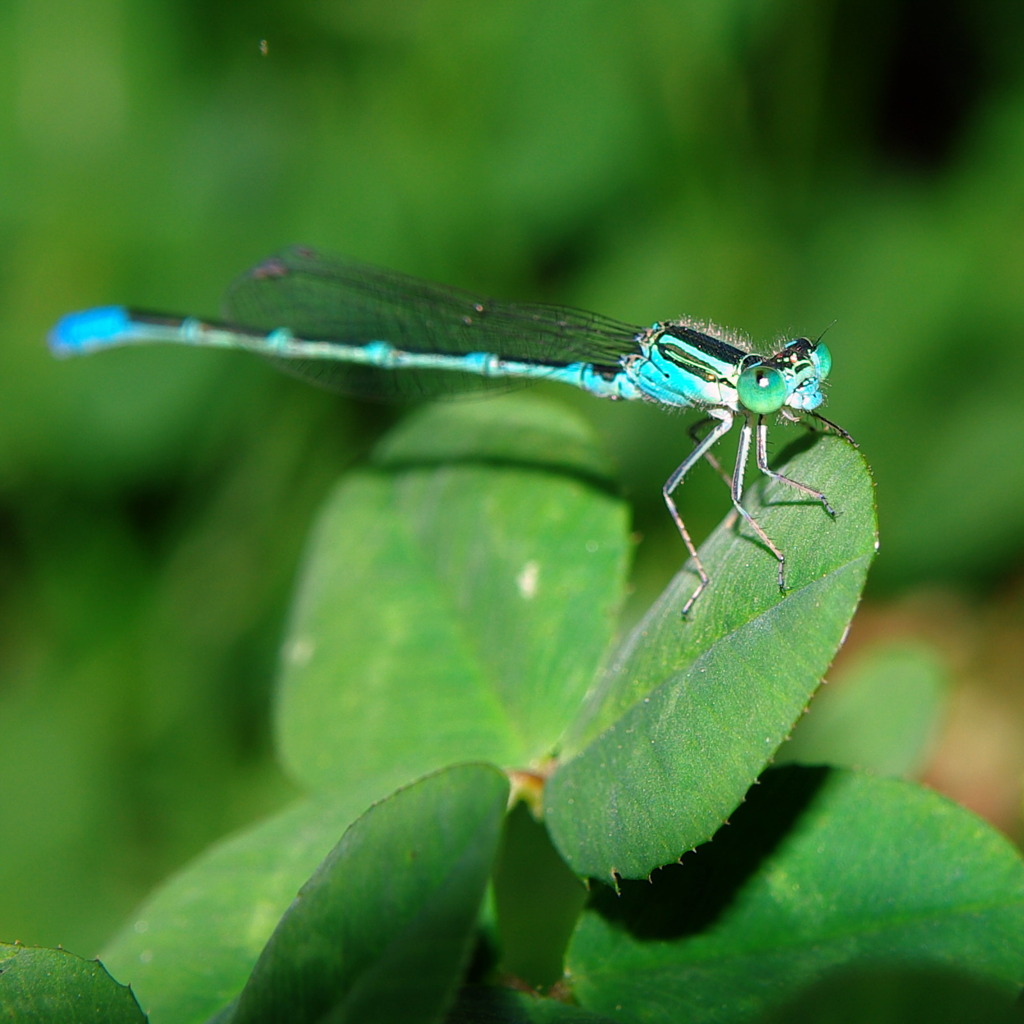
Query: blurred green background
point(775, 165)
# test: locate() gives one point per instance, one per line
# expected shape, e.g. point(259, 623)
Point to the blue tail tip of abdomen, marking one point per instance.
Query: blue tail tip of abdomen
point(88, 330)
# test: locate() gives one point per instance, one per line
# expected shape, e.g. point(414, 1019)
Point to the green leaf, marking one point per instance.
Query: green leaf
point(821, 869)
point(44, 985)
point(537, 901)
point(383, 929)
point(457, 599)
point(386, 696)
point(883, 714)
point(689, 713)
point(189, 949)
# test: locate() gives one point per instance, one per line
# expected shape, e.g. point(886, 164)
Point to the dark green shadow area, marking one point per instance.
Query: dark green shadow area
point(687, 898)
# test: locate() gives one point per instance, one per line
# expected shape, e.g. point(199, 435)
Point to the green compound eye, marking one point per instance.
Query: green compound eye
point(824, 359)
point(762, 389)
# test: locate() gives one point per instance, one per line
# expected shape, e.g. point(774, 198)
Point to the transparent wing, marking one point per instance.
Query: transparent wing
point(330, 298)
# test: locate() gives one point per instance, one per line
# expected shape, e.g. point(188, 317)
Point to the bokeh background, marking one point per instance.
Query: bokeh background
point(780, 166)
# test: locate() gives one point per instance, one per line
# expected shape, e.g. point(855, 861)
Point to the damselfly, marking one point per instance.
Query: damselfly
point(365, 330)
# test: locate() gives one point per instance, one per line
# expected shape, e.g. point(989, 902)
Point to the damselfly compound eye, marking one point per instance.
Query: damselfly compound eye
point(762, 389)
